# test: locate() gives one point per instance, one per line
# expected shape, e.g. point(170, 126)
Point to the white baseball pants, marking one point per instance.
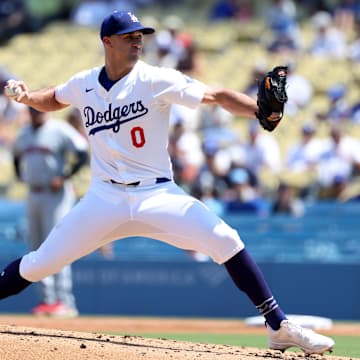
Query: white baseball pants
point(111, 211)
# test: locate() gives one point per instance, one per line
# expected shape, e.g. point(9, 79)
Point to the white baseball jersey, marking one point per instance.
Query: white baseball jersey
point(127, 128)
point(128, 125)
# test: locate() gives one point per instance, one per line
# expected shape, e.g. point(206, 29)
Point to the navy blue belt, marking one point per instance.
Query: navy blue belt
point(158, 180)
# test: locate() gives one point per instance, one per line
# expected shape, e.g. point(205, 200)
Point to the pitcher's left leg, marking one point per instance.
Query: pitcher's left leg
point(189, 224)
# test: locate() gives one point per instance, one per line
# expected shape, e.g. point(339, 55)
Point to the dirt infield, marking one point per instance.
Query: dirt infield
point(26, 337)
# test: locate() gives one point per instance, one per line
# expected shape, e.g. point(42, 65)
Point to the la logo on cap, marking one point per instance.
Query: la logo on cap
point(133, 17)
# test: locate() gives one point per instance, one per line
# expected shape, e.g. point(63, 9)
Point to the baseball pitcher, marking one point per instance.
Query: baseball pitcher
point(125, 107)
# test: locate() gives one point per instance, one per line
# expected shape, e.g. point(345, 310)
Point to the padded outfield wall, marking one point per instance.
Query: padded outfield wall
point(203, 290)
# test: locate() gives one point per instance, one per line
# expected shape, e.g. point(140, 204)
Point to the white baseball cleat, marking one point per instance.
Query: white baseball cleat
point(291, 334)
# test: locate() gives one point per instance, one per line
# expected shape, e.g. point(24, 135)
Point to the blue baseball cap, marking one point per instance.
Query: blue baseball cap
point(122, 22)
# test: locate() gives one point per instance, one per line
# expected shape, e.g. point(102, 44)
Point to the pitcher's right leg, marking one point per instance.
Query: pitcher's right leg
point(11, 282)
point(85, 228)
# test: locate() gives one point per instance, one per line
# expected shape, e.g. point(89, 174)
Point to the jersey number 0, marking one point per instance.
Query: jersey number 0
point(137, 136)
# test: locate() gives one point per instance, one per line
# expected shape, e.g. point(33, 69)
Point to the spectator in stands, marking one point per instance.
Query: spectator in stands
point(243, 197)
point(217, 132)
point(336, 189)
point(176, 46)
point(190, 61)
point(166, 57)
point(216, 127)
point(13, 19)
point(240, 10)
point(304, 155)
point(284, 43)
point(345, 15)
point(299, 90)
point(42, 154)
point(287, 201)
point(213, 175)
point(328, 41)
point(282, 23)
point(340, 158)
point(206, 190)
point(261, 151)
point(186, 154)
point(224, 10)
point(91, 12)
point(180, 37)
point(339, 110)
point(281, 12)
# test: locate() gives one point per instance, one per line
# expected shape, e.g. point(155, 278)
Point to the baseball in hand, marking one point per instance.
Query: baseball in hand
point(12, 91)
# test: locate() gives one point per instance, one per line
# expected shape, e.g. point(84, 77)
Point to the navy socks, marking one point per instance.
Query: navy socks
point(11, 282)
point(248, 278)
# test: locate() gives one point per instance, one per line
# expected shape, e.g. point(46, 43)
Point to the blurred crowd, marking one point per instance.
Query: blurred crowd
point(235, 172)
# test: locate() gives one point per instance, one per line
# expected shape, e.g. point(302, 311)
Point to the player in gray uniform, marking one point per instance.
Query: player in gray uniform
point(41, 156)
point(125, 107)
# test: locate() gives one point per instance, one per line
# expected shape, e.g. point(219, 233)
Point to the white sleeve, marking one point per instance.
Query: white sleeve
point(173, 87)
point(69, 93)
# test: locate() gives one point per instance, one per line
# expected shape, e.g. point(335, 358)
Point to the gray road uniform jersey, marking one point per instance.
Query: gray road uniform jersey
point(43, 155)
point(43, 152)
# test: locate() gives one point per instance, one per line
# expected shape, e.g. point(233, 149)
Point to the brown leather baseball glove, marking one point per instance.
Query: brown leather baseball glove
point(271, 98)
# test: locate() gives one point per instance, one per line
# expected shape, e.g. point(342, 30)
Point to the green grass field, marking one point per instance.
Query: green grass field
point(348, 346)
